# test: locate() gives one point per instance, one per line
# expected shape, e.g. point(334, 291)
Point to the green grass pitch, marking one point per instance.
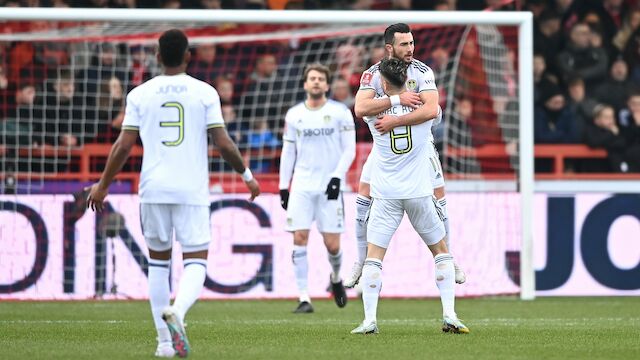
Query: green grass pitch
point(501, 328)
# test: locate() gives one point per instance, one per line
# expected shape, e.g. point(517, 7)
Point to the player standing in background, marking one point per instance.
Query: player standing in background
point(423, 95)
point(173, 113)
point(319, 145)
point(400, 183)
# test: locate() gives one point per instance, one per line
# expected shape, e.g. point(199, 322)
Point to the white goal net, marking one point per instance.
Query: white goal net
point(67, 81)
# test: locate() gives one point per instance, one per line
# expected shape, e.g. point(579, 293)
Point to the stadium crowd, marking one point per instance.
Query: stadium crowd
point(586, 74)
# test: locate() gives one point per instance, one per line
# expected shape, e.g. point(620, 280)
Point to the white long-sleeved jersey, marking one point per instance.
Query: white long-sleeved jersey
point(322, 144)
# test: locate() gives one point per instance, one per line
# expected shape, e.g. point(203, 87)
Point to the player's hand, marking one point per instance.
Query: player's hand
point(254, 187)
point(95, 200)
point(386, 123)
point(409, 98)
point(333, 189)
point(284, 198)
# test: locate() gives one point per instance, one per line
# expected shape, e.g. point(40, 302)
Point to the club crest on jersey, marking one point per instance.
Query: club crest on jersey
point(327, 119)
point(411, 84)
point(366, 79)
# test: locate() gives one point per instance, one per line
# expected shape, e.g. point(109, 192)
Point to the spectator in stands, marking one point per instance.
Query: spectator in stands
point(553, 121)
point(64, 119)
point(580, 104)
point(211, 4)
point(262, 97)
point(204, 66)
point(103, 65)
point(630, 25)
point(170, 4)
point(5, 96)
point(580, 59)
point(349, 64)
point(261, 138)
point(236, 128)
point(542, 79)
point(441, 66)
point(140, 68)
point(631, 55)
point(225, 90)
point(444, 5)
point(110, 111)
point(617, 88)
point(377, 53)
point(630, 127)
point(401, 5)
point(605, 133)
point(341, 91)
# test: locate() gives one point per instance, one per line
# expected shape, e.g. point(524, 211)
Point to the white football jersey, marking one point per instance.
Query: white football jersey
point(400, 159)
point(420, 78)
point(172, 115)
point(317, 137)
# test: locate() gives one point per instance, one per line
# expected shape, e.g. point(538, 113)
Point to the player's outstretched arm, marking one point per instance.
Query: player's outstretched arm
point(117, 157)
point(232, 156)
point(366, 105)
point(424, 113)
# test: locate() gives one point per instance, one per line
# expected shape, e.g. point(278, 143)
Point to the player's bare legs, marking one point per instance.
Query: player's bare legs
point(441, 203)
point(301, 269)
point(332, 243)
point(363, 202)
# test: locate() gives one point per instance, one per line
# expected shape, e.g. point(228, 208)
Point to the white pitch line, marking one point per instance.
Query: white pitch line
point(333, 321)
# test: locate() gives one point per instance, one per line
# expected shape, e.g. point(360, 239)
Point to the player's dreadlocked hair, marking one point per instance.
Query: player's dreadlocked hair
point(394, 71)
point(172, 46)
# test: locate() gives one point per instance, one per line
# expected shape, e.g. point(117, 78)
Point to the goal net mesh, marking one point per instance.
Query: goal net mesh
point(63, 88)
point(65, 85)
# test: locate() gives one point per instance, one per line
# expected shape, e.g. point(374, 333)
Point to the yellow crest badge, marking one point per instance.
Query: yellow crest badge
point(411, 84)
point(327, 119)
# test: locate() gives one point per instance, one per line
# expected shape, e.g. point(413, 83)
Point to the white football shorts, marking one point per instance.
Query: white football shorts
point(191, 223)
point(307, 206)
point(385, 216)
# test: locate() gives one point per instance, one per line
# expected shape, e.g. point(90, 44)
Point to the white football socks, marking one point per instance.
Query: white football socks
point(336, 262)
point(445, 279)
point(159, 295)
point(191, 284)
point(371, 282)
point(301, 269)
point(362, 207)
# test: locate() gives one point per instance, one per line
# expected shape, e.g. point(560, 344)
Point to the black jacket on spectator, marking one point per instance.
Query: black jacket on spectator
point(590, 64)
point(616, 145)
point(552, 127)
point(614, 93)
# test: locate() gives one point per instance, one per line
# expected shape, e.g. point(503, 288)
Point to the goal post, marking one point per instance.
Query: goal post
point(523, 21)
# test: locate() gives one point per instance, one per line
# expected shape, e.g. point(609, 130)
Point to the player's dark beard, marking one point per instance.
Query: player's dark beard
point(395, 55)
point(317, 96)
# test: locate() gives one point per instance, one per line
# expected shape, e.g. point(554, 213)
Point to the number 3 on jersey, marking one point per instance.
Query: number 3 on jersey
point(179, 124)
point(397, 145)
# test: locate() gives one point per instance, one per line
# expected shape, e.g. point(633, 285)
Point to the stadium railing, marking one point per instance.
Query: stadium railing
point(90, 158)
